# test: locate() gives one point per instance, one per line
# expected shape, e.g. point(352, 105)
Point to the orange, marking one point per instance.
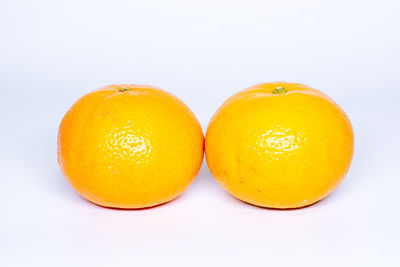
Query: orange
point(130, 146)
point(279, 145)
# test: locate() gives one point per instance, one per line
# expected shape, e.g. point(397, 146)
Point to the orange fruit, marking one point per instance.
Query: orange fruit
point(279, 145)
point(130, 146)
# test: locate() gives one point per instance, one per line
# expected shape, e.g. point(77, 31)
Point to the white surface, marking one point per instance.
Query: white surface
point(53, 52)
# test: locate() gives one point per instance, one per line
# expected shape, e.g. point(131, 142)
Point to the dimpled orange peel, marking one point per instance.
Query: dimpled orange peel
point(130, 146)
point(279, 145)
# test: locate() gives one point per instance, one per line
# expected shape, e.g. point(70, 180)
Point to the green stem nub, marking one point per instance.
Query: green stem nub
point(279, 90)
point(123, 89)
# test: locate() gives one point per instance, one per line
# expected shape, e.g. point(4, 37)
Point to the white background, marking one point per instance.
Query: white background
point(53, 52)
